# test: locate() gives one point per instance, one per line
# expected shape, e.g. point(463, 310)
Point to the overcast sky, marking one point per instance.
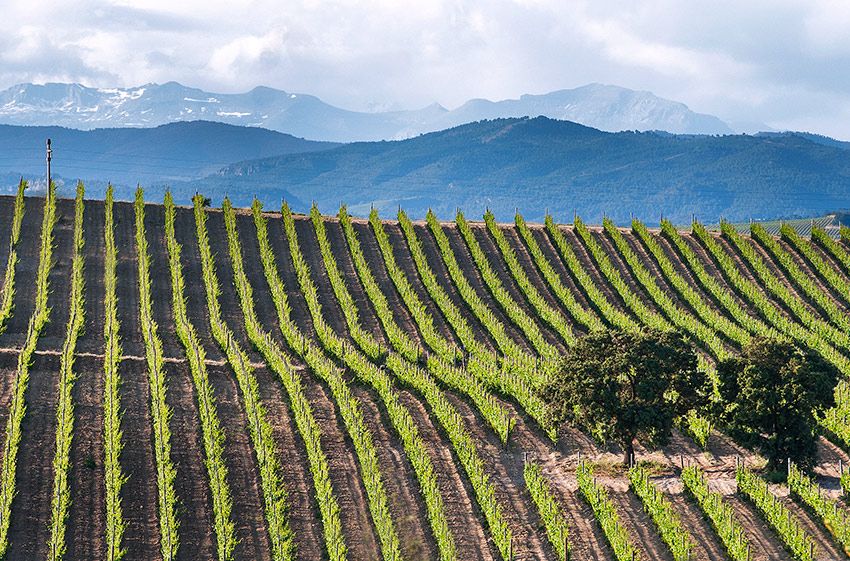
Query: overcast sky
point(783, 63)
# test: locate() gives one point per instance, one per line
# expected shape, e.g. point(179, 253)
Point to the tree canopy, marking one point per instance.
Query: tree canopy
point(621, 386)
point(770, 397)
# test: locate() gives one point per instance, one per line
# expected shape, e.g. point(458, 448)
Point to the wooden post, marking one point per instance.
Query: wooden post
point(49, 158)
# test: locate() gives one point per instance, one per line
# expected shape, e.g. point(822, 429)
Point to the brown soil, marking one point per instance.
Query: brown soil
point(825, 545)
point(497, 262)
point(640, 526)
point(432, 255)
point(625, 271)
point(764, 543)
point(405, 262)
point(88, 503)
point(53, 334)
point(811, 272)
point(470, 271)
point(7, 213)
point(29, 529)
point(25, 272)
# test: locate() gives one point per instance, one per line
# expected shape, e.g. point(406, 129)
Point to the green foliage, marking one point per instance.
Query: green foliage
point(679, 317)
point(114, 477)
point(771, 396)
point(61, 497)
point(7, 293)
point(805, 282)
point(348, 405)
point(795, 539)
point(719, 513)
point(719, 292)
point(585, 317)
point(484, 364)
point(779, 290)
point(612, 314)
point(550, 511)
point(832, 247)
point(622, 386)
point(440, 345)
point(833, 517)
point(160, 411)
point(826, 271)
point(211, 430)
point(705, 310)
point(398, 338)
point(545, 312)
point(669, 526)
point(359, 363)
point(18, 407)
point(509, 306)
point(410, 374)
point(606, 514)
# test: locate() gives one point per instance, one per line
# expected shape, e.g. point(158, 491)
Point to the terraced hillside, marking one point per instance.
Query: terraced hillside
point(194, 383)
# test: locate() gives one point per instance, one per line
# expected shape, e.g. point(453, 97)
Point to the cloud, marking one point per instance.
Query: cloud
point(777, 61)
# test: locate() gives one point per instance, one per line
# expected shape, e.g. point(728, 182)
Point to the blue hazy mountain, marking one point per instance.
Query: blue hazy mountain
point(538, 164)
point(604, 107)
point(129, 156)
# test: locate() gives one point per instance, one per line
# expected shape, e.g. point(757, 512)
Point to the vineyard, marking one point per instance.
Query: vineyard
point(185, 382)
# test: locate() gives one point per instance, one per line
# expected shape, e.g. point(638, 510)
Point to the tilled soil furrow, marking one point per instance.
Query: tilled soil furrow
point(127, 280)
point(765, 545)
point(406, 505)
point(29, 529)
point(358, 529)
point(139, 493)
point(777, 271)
point(551, 255)
point(405, 262)
point(470, 271)
point(708, 544)
point(812, 273)
point(623, 268)
point(826, 548)
point(309, 244)
point(536, 278)
point(242, 473)
point(588, 264)
point(497, 262)
point(52, 336)
point(7, 213)
point(25, 272)
point(191, 484)
point(375, 261)
point(432, 255)
point(641, 527)
point(464, 517)
point(91, 339)
point(88, 489)
point(505, 469)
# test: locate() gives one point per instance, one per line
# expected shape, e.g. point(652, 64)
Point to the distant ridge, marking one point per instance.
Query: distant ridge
point(605, 107)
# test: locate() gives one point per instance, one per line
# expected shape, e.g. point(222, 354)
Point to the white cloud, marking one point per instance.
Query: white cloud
point(769, 60)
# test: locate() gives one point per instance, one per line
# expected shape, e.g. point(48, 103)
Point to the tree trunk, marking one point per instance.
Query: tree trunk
point(629, 452)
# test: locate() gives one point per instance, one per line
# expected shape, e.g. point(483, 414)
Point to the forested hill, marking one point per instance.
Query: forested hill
point(539, 163)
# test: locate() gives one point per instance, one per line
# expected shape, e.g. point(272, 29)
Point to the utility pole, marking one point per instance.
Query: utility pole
point(49, 157)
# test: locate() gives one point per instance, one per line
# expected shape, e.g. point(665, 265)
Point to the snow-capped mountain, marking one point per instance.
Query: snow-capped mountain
point(608, 108)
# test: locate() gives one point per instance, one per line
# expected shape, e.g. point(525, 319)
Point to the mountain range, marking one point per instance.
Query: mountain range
point(536, 164)
point(608, 108)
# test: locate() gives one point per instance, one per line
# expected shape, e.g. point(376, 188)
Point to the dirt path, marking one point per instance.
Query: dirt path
point(127, 280)
point(825, 545)
point(7, 213)
point(92, 340)
point(29, 529)
point(640, 525)
point(708, 544)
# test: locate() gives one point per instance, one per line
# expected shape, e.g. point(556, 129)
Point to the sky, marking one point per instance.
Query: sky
point(783, 63)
